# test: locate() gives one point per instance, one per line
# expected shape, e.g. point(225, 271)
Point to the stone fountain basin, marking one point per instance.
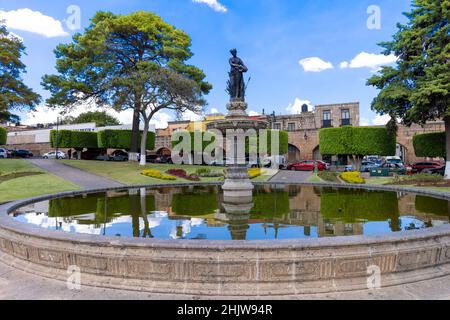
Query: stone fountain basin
point(224, 268)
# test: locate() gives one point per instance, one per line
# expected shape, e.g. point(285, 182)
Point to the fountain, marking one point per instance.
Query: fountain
point(235, 128)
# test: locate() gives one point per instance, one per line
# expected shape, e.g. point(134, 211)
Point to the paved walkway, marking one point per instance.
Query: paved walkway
point(18, 285)
point(285, 176)
point(79, 177)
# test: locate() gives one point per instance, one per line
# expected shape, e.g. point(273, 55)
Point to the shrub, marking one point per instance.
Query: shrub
point(180, 173)
point(328, 176)
point(352, 177)
point(208, 173)
point(357, 141)
point(74, 139)
point(157, 175)
point(3, 136)
point(255, 172)
point(121, 139)
point(430, 145)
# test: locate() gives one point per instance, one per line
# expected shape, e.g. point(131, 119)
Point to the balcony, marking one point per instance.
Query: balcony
point(346, 122)
point(326, 124)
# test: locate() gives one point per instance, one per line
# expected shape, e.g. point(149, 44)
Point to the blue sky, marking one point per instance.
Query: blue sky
point(272, 37)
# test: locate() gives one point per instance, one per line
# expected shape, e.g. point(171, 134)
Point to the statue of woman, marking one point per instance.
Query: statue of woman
point(236, 84)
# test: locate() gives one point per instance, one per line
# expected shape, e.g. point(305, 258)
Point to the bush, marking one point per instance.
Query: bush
point(3, 136)
point(157, 175)
point(328, 176)
point(208, 173)
point(180, 173)
point(418, 178)
point(121, 139)
point(352, 177)
point(357, 141)
point(430, 145)
point(74, 139)
point(255, 172)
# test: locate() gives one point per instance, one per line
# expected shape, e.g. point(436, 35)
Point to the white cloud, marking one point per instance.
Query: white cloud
point(34, 22)
point(253, 114)
point(364, 122)
point(369, 60)
point(213, 4)
point(45, 114)
point(381, 120)
point(315, 64)
point(296, 107)
point(214, 111)
point(192, 116)
point(161, 120)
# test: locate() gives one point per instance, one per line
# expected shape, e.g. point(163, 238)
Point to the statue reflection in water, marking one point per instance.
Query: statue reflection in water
point(237, 214)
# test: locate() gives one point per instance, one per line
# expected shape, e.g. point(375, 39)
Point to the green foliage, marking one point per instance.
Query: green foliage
point(328, 176)
point(195, 203)
point(3, 136)
point(417, 89)
point(101, 119)
point(430, 145)
point(14, 94)
point(359, 141)
point(74, 139)
point(121, 139)
point(427, 205)
point(353, 206)
point(267, 205)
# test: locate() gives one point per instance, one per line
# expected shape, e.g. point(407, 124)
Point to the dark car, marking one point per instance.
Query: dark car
point(397, 168)
point(440, 170)
point(151, 158)
point(307, 166)
point(119, 155)
point(21, 154)
point(421, 166)
point(164, 160)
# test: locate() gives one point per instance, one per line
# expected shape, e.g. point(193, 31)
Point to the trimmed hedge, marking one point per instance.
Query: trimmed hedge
point(3, 136)
point(121, 139)
point(283, 145)
point(74, 139)
point(195, 204)
point(427, 205)
point(430, 145)
point(269, 205)
point(357, 141)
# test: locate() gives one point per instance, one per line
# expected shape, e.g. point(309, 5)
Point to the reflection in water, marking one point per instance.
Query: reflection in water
point(273, 212)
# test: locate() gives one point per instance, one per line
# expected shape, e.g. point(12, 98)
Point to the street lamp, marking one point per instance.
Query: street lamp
point(57, 138)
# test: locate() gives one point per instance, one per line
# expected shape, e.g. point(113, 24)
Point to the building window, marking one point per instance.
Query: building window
point(345, 117)
point(291, 126)
point(277, 126)
point(326, 119)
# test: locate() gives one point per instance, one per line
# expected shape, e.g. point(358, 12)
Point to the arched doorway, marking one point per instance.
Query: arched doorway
point(316, 153)
point(293, 154)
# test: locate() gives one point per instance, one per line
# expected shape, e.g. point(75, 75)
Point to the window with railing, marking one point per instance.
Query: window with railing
point(345, 117)
point(277, 126)
point(291, 127)
point(326, 119)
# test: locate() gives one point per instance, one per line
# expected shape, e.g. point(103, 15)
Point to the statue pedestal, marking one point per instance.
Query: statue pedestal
point(237, 182)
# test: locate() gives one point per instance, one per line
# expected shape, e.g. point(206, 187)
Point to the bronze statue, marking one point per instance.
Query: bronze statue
point(236, 84)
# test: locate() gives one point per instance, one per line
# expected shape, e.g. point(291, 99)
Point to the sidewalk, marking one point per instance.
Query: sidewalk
point(81, 178)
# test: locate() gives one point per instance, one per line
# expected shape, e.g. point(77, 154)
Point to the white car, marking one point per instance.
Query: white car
point(52, 155)
point(3, 153)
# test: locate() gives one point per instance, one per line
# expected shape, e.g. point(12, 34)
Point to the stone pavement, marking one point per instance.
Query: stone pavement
point(79, 177)
point(18, 285)
point(285, 176)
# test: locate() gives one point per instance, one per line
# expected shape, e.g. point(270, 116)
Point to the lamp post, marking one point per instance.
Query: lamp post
point(57, 138)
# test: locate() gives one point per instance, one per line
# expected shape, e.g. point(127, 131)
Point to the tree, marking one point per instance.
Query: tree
point(128, 61)
point(101, 119)
point(3, 136)
point(357, 142)
point(417, 89)
point(430, 145)
point(14, 94)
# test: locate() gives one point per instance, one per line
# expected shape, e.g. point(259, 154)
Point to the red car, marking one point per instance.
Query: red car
point(307, 166)
point(420, 166)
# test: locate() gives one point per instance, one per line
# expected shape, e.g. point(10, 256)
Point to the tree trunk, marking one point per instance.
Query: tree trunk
point(143, 161)
point(447, 145)
point(133, 154)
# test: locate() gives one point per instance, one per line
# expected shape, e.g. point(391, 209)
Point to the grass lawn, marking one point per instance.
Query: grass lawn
point(37, 183)
point(130, 173)
point(314, 179)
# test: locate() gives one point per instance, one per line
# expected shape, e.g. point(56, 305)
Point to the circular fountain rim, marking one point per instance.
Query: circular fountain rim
point(9, 224)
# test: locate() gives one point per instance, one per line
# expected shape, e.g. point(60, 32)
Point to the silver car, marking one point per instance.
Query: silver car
point(3, 153)
point(52, 155)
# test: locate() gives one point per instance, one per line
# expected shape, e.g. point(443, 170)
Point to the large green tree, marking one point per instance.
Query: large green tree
point(133, 61)
point(417, 89)
point(101, 119)
point(14, 94)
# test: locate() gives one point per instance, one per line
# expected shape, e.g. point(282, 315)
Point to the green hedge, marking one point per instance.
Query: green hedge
point(283, 145)
point(195, 204)
point(427, 205)
point(430, 145)
point(74, 139)
point(270, 205)
point(121, 139)
point(354, 206)
point(357, 141)
point(3, 136)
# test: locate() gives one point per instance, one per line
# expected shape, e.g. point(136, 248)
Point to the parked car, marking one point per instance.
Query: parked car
point(22, 154)
point(366, 166)
point(52, 155)
point(103, 157)
point(307, 166)
point(397, 168)
point(164, 160)
point(280, 162)
point(439, 170)
point(327, 165)
point(3, 153)
point(119, 155)
point(421, 166)
point(396, 160)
